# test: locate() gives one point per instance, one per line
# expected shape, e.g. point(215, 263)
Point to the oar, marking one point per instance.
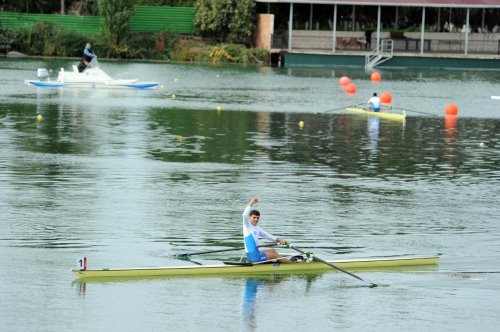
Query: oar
point(413, 111)
point(188, 254)
point(340, 108)
point(334, 266)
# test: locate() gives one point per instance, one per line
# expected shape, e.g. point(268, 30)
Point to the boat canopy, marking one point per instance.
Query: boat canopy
point(407, 3)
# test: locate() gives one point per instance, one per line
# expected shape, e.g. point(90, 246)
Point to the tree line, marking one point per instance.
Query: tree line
point(223, 31)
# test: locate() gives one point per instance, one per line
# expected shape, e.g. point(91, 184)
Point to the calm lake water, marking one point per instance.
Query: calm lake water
point(129, 178)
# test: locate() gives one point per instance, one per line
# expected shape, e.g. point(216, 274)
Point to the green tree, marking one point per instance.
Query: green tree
point(115, 16)
point(227, 20)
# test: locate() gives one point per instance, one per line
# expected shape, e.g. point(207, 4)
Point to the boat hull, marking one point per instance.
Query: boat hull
point(380, 114)
point(95, 85)
point(380, 263)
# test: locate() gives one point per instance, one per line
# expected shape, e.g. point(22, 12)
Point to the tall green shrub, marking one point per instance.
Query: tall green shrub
point(7, 40)
point(115, 16)
point(226, 20)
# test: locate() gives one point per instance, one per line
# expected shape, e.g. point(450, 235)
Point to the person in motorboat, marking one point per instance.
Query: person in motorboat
point(252, 233)
point(88, 53)
point(82, 65)
point(374, 103)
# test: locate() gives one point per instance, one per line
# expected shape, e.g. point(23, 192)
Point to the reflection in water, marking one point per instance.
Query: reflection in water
point(373, 129)
point(249, 303)
point(249, 308)
point(450, 128)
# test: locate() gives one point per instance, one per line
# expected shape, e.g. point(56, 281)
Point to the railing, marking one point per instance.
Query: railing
point(353, 42)
point(380, 54)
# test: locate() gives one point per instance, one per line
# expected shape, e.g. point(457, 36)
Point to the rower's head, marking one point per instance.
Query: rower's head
point(254, 217)
point(374, 94)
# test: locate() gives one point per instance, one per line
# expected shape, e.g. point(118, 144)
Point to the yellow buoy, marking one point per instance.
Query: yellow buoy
point(301, 124)
point(180, 138)
point(219, 108)
point(173, 96)
point(39, 118)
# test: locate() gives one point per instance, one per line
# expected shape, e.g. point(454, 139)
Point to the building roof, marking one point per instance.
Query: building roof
point(407, 3)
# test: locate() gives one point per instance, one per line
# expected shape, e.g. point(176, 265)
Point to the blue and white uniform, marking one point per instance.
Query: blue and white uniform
point(88, 54)
point(375, 103)
point(251, 236)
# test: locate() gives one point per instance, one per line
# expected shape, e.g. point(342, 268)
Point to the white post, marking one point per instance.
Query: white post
point(334, 28)
point(422, 32)
point(397, 18)
point(290, 27)
point(482, 21)
point(439, 20)
point(311, 17)
point(353, 17)
point(378, 27)
point(467, 32)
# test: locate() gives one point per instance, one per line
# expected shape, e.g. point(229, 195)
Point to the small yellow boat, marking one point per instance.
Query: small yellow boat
point(380, 114)
point(235, 269)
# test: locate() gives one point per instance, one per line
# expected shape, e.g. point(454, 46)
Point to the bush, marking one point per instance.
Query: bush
point(7, 40)
point(48, 39)
point(72, 44)
point(237, 53)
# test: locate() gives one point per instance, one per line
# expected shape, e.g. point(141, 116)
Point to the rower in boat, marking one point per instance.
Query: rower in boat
point(252, 233)
point(374, 103)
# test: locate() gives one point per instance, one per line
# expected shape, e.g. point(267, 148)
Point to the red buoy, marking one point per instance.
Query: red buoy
point(350, 88)
point(386, 98)
point(375, 77)
point(451, 109)
point(344, 81)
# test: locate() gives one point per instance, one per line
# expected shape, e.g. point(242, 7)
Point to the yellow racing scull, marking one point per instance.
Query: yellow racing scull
point(380, 114)
point(227, 268)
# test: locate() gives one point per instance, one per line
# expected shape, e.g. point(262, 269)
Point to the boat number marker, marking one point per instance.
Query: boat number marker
point(81, 264)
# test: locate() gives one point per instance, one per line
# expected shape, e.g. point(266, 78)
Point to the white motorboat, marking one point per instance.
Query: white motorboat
point(92, 77)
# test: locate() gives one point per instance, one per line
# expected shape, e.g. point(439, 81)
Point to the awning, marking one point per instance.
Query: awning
point(406, 3)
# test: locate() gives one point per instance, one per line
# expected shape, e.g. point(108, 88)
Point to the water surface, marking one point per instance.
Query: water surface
point(128, 178)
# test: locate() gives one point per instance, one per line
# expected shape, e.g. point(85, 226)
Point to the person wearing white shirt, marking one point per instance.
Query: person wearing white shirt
point(374, 103)
point(252, 233)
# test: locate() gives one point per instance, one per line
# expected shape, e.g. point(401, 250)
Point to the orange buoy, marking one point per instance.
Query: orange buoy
point(386, 98)
point(350, 88)
point(375, 77)
point(451, 109)
point(344, 81)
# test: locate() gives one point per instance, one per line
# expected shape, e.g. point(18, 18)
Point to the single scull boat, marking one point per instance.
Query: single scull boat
point(378, 263)
point(381, 114)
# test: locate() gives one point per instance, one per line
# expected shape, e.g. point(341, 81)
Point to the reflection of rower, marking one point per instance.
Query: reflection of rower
point(249, 304)
point(373, 132)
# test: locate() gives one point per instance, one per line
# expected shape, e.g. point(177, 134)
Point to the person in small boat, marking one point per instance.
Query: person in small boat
point(88, 53)
point(252, 233)
point(374, 103)
point(82, 65)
